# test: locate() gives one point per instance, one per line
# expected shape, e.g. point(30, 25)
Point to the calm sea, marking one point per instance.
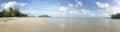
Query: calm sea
point(58, 24)
point(84, 24)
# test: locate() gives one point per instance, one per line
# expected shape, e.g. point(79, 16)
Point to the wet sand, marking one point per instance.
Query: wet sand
point(22, 25)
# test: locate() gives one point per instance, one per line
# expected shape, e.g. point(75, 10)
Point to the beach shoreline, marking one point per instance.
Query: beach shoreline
point(21, 24)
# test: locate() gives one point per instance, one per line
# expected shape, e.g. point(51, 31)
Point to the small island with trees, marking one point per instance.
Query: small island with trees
point(115, 16)
point(12, 13)
point(43, 16)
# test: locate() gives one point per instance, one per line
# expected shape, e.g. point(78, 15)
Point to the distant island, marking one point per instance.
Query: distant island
point(12, 13)
point(44, 16)
point(115, 16)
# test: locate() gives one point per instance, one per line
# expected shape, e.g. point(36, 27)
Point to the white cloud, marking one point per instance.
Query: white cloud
point(12, 4)
point(70, 5)
point(63, 9)
point(87, 12)
point(28, 12)
point(108, 8)
point(22, 5)
point(71, 12)
point(114, 9)
point(79, 3)
point(76, 12)
point(102, 5)
point(117, 1)
point(74, 7)
point(106, 14)
point(84, 11)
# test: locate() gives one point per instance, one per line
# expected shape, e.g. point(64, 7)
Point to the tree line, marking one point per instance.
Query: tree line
point(115, 16)
point(12, 13)
point(43, 16)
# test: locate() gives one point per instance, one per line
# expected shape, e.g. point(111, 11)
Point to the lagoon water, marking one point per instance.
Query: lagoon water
point(61, 25)
point(85, 24)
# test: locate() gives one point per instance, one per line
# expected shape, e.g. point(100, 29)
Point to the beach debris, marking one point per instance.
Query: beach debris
point(5, 21)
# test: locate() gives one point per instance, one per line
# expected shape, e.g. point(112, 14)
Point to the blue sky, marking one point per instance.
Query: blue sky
point(64, 8)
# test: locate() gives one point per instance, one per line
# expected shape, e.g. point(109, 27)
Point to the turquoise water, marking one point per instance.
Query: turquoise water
point(84, 24)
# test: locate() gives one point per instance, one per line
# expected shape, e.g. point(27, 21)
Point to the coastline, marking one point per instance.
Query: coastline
point(16, 24)
point(26, 24)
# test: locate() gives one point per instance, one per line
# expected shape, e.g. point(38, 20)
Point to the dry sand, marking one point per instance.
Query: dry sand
point(24, 25)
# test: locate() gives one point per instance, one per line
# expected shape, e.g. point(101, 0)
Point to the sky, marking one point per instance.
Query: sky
point(64, 8)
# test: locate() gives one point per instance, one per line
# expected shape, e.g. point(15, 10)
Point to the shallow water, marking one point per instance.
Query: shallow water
point(61, 25)
point(86, 24)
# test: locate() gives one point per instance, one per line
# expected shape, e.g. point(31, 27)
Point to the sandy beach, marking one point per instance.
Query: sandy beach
point(22, 25)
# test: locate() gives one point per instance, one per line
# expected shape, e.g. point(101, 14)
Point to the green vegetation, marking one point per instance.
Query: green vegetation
point(43, 16)
point(115, 16)
point(12, 13)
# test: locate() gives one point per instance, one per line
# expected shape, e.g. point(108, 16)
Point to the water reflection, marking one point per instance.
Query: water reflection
point(87, 25)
